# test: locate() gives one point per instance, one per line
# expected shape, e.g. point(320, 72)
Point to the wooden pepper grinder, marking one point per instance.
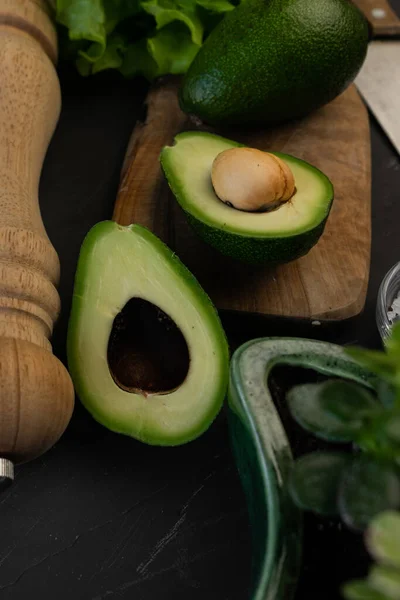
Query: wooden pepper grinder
point(36, 392)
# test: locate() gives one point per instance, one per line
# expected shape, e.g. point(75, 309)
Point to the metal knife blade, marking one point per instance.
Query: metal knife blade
point(379, 78)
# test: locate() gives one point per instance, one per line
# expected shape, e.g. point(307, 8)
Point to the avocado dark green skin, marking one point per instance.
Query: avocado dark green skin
point(271, 61)
point(258, 251)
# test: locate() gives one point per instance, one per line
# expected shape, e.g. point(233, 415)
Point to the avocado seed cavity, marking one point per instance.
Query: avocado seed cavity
point(147, 352)
point(251, 180)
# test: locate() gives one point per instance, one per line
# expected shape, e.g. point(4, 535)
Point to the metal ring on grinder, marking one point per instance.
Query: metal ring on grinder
point(6, 473)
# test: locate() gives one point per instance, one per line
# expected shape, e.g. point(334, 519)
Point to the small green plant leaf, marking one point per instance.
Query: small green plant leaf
point(385, 580)
point(367, 488)
point(380, 436)
point(393, 342)
point(378, 362)
point(360, 590)
point(307, 405)
point(386, 393)
point(347, 401)
point(392, 429)
point(314, 481)
point(383, 538)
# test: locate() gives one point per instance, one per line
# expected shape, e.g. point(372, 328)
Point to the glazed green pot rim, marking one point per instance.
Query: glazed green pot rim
point(272, 501)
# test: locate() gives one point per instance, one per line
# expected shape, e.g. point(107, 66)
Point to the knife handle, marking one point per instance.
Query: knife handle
point(384, 21)
point(36, 392)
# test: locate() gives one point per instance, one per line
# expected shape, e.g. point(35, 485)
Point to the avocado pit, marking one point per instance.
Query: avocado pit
point(147, 353)
point(251, 180)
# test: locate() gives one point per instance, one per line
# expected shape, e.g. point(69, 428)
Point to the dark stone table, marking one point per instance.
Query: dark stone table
point(101, 516)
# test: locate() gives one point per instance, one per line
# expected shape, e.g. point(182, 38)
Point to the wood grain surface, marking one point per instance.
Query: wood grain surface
point(327, 284)
point(383, 19)
point(36, 393)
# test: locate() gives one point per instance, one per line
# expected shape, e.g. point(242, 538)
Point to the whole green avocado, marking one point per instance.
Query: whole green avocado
point(271, 61)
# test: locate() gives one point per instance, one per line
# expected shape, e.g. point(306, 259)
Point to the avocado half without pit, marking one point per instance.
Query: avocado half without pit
point(254, 206)
point(146, 350)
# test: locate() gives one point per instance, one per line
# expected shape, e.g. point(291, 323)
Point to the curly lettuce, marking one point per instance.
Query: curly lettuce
point(136, 37)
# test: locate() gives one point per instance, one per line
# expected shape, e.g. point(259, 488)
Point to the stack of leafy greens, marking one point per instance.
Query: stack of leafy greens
point(383, 542)
point(136, 37)
point(358, 485)
point(361, 486)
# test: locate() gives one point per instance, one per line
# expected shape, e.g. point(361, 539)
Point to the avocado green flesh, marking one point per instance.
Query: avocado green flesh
point(276, 236)
point(116, 264)
point(270, 61)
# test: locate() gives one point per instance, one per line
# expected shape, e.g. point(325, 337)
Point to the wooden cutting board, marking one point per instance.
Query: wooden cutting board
point(330, 282)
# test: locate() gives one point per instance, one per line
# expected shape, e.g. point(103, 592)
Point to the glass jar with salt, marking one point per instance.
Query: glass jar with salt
point(388, 303)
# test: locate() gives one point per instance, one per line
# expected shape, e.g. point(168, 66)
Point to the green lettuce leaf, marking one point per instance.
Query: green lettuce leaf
point(113, 55)
point(135, 37)
point(167, 11)
point(173, 49)
point(216, 5)
point(84, 19)
point(138, 61)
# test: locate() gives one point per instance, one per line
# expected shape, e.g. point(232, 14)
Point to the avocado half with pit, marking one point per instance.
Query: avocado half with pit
point(146, 350)
point(280, 235)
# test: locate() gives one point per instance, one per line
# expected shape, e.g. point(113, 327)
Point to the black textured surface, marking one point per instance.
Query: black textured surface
point(101, 516)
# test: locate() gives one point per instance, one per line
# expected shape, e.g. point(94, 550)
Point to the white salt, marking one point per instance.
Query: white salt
point(394, 310)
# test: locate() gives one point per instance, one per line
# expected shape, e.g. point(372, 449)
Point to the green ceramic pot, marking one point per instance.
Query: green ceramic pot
point(263, 454)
